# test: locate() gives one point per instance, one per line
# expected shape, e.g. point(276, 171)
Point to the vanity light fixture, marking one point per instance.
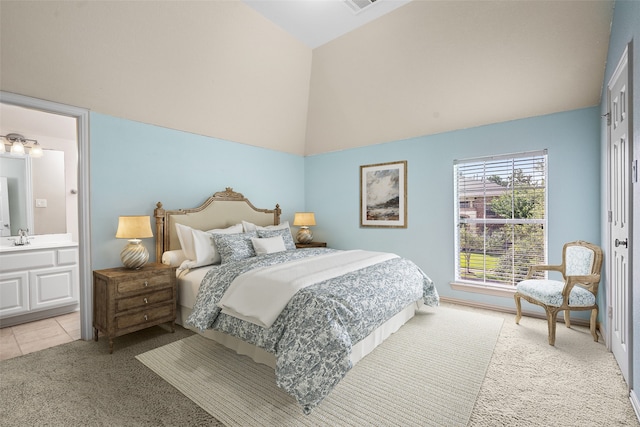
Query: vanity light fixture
point(134, 255)
point(19, 143)
point(17, 148)
point(36, 150)
point(304, 220)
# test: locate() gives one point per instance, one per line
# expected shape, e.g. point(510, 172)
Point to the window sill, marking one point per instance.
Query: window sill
point(499, 291)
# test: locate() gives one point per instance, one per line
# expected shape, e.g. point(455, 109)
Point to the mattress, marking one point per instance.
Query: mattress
point(189, 283)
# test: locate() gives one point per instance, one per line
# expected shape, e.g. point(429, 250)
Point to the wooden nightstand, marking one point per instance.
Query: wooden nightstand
point(126, 300)
point(311, 245)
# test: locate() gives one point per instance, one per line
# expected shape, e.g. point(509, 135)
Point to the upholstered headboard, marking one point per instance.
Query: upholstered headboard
point(221, 210)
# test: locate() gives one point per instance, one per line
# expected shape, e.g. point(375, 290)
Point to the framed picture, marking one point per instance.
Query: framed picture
point(383, 195)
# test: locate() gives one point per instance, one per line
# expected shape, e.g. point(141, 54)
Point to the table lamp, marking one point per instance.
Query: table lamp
point(134, 255)
point(304, 220)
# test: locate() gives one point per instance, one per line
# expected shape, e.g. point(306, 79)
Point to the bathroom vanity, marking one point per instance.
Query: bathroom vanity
point(39, 279)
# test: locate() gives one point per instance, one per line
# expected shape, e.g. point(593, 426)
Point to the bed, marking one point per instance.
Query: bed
point(334, 308)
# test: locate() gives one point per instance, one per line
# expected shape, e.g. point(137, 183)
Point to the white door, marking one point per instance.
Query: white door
point(619, 212)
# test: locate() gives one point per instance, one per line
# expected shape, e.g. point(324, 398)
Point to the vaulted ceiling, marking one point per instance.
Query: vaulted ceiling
point(404, 68)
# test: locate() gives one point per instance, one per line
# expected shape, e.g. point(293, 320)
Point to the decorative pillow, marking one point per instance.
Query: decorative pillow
point(173, 258)
point(234, 247)
point(186, 265)
point(285, 233)
point(268, 245)
point(249, 226)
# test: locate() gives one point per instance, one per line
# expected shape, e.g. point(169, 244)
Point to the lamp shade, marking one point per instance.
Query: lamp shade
point(134, 227)
point(304, 219)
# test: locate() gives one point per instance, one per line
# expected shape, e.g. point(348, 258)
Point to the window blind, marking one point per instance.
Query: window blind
point(501, 211)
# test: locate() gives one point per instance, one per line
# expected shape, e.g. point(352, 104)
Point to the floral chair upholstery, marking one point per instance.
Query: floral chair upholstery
point(580, 268)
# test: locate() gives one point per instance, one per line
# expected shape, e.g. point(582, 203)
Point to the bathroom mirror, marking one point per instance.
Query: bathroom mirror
point(36, 193)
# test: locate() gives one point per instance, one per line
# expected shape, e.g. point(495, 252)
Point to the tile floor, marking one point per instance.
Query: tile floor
point(29, 337)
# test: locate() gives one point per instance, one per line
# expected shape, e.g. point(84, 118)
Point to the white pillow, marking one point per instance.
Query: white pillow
point(268, 245)
point(198, 246)
point(186, 241)
point(249, 226)
point(203, 247)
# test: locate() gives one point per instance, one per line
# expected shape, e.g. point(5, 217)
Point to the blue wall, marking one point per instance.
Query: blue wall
point(134, 166)
point(332, 189)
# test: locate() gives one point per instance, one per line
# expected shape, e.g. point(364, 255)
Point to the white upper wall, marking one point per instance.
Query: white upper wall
point(216, 68)
point(220, 69)
point(436, 66)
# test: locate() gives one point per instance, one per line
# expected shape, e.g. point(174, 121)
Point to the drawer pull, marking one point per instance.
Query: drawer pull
point(146, 283)
point(145, 317)
point(146, 301)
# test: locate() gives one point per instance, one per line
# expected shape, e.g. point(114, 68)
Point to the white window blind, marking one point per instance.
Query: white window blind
point(500, 217)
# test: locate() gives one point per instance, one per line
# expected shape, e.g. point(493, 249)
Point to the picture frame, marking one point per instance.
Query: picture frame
point(383, 195)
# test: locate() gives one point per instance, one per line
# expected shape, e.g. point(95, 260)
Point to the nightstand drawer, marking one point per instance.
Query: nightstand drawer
point(139, 318)
point(141, 300)
point(142, 284)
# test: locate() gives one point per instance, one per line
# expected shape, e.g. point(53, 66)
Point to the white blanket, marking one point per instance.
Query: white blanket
point(259, 296)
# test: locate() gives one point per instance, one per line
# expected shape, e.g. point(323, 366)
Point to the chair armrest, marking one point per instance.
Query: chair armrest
point(540, 267)
point(590, 278)
point(587, 282)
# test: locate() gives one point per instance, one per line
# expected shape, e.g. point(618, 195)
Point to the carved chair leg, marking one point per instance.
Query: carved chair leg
point(551, 321)
point(567, 318)
point(518, 308)
point(592, 323)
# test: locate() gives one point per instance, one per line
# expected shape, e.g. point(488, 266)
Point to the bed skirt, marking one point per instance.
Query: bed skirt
point(259, 355)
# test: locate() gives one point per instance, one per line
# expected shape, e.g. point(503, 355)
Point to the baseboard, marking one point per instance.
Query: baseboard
point(635, 403)
point(501, 309)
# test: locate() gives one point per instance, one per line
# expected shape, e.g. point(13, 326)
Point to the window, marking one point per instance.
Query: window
point(500, 217)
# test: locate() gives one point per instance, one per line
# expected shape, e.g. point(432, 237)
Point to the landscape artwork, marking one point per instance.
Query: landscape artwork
point(383, 195)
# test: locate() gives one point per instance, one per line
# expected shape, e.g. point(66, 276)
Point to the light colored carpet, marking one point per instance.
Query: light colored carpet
point(428, 373)
point(529, 383)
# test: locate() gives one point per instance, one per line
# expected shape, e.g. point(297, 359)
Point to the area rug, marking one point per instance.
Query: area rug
point(428, 373)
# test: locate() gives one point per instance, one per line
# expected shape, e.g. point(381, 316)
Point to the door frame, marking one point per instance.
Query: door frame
point(84, 215)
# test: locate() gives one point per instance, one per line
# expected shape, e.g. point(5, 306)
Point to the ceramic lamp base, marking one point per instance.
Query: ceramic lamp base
point(134, 255)
point(304, 235)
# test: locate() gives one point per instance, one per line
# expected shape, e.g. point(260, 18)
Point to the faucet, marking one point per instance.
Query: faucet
point(23, 237)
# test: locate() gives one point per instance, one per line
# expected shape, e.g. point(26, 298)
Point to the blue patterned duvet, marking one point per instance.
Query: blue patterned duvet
point(313, 336)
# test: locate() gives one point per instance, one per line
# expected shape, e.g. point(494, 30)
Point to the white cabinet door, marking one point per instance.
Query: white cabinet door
point(14, 293)
point(53, 287)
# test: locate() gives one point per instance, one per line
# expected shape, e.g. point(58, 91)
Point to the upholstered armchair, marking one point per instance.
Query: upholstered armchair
point(580, 269)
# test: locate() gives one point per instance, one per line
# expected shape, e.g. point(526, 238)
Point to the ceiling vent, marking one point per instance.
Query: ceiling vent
point(358, 6)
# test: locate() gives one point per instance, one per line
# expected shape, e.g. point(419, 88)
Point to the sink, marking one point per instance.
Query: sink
point(7, 244)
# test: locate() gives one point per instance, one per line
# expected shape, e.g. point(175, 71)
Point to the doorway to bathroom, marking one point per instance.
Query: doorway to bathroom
point(77, 212)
